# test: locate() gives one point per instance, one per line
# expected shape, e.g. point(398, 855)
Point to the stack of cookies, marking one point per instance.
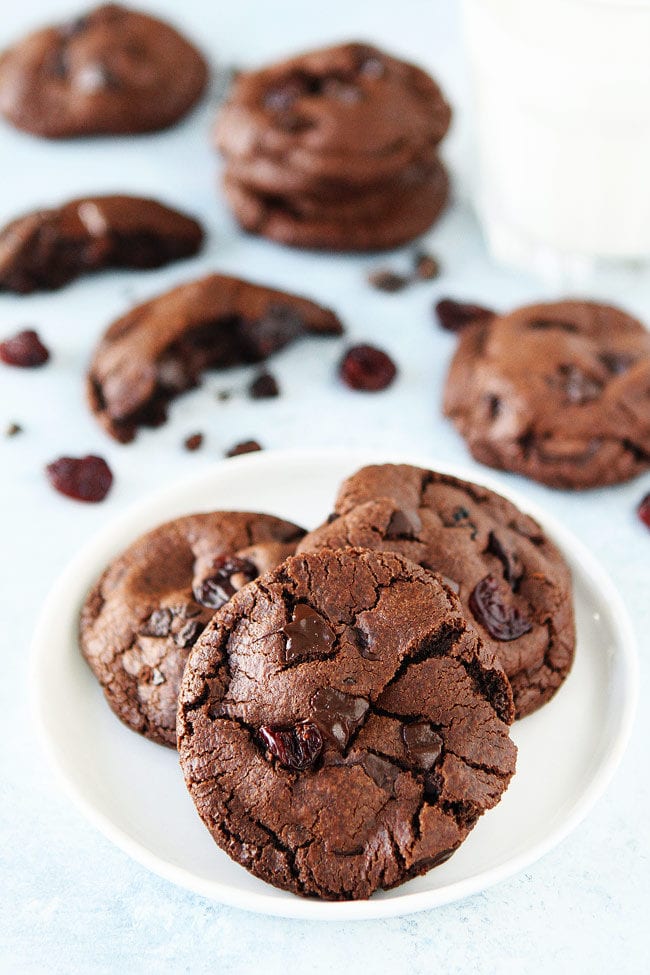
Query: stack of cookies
point(341, 700)
point(335, 149)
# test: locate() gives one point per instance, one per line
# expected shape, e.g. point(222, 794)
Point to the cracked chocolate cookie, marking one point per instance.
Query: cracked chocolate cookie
point(511, 579)
point(46, 249)
point(335, 149)
point(110, 71)
point(161, 348)
point(558, 392)
point(341, 727)
point(147, 610)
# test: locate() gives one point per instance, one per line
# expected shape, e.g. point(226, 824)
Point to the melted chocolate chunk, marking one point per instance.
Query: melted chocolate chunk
point(296, 748)
point(158, 624)
point(189, 634)
point(338, 715)
point(423, 744)
point(308, 635)
point(362, 641)
point(382, 772)
point(513, 570)
point(229, 574)
point(501, 620)
point(404, 523)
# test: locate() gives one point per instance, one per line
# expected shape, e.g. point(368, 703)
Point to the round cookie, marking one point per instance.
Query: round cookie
point(149, 607)
point(351, 113)
point(110, 71)
point(330, 751)
point(511, 579)
point(386, 218)
point(558, 392)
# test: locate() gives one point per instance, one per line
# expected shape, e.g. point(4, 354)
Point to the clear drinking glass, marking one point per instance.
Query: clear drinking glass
point(562, 103)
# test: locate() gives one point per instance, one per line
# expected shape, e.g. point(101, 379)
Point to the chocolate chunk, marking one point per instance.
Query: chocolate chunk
point(338, 715)
point(158, 624)
point(382, 772)
point(404, 524)
point(229, 573)
point(189, 633)
point(423, 744)
point(308, 635)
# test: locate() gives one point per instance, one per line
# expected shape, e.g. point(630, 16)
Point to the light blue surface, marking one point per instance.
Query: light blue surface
point(69, 901)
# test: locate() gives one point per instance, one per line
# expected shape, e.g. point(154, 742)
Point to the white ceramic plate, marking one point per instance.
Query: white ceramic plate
point(134, 792)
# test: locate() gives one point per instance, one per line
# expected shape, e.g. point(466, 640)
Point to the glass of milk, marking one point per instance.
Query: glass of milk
point(562, 102)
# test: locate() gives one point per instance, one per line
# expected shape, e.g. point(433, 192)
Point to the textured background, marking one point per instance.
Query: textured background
point(70, 901)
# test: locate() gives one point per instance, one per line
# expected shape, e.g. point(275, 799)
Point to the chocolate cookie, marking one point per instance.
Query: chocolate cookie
point(558, 392)
point(340, 726)
point(46, 249)
point(112, 70)
point(511, 579)
point(335, 149)
point(385, 218)
point(147, 610)
point(160, 349)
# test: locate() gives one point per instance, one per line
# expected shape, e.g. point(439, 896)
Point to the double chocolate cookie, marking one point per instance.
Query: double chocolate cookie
point(112, 70)
point(511, 579)
point(330, 751)
point(147, 610)
point(161, 348)
point(335, 149)
point(46, 249)
point(558, 392)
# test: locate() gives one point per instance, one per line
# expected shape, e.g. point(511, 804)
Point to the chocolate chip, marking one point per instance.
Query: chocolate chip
point(308, 635)
point(159, 623)
point(264, 386)
point(296, 748)
point(338, 715)
point(193, 442)
point(404, 523)
point(24, 349)
point(246, 447)
point(454, 316)
point(423, 744)
point(387, 280)
point(502, 620)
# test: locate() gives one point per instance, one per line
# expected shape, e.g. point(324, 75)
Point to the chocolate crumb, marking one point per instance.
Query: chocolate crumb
point(246, 447)
point(264, 386)
point(425, 266)
point(386, 280)
point(193, 442)
point(223, 395)
point(13, 429)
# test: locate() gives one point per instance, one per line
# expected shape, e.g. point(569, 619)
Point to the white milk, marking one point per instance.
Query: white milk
point(562, 98)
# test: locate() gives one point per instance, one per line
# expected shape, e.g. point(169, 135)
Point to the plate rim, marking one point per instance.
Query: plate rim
point(293, 906)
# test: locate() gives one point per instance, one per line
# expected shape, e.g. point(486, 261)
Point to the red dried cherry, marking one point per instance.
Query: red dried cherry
point(366, 368)
point(296, 748)
point(82, 478)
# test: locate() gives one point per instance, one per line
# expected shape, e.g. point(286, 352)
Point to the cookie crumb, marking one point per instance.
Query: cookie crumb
point(453, 316)
point(386, 280)
point(223, 395)
point(425, 266)
point(246, 447)
point(264, 386)
point(193, 442)
point(13, 429)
